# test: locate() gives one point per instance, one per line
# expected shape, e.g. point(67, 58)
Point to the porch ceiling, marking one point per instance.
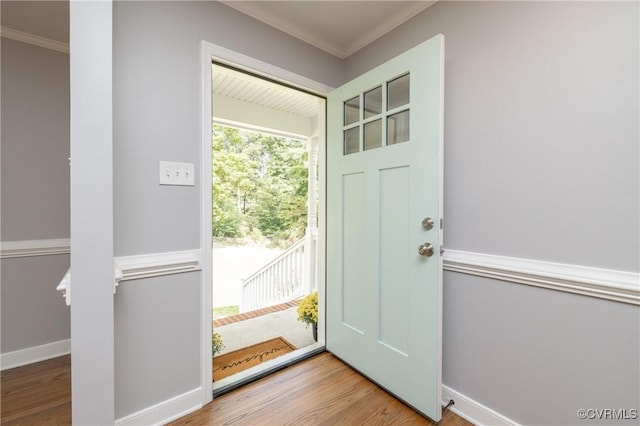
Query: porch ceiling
point(246, 88)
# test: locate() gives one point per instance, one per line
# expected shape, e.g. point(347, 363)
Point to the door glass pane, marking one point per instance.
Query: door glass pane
point(373, 102)
point(398, 128)
point(373, 135)
point(352, 111)
point(352, 140)
point(398, 92)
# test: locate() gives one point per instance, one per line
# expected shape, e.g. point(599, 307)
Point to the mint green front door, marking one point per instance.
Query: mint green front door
point(384, 209)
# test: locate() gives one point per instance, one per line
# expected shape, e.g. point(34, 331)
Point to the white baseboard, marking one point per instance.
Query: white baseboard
point(165, 411)
point(473, 411)
point(34, 354)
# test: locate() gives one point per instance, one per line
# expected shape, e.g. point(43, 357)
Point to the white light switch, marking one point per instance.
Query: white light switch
point(172, 173)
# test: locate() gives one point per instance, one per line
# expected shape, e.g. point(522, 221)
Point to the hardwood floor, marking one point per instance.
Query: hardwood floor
point(318, 391)
point(37, 394)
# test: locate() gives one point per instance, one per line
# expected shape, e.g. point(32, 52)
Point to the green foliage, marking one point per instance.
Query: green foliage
point(225, 311)
point(226, 220)
point(259, 185)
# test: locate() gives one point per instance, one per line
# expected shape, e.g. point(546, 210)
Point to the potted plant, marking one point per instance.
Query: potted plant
point(216, 343)
point(308, 312)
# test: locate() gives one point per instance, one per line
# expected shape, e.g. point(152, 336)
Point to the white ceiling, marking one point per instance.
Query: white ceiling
point(242, 87)
point(340, 28)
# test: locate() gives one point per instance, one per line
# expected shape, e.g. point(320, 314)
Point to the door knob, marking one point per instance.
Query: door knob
point(427, 223)
point(425, 249)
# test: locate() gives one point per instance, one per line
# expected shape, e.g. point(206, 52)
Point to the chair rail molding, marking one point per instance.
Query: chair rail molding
point(620, 286)
point(35, 40)
point(156, 264)
point(29, 248)
point(143, 266)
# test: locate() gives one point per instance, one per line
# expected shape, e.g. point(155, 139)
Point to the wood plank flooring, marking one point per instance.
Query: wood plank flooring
point(319, 391)
point(37, 394)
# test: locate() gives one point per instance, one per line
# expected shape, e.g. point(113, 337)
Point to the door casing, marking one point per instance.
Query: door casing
point(212, 52)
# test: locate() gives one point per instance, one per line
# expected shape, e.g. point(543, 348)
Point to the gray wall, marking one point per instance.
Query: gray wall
point(541, 126)
point(157, 107)
point(35, 142)
point(35, 191)
point(33, 312)
point(541, 162)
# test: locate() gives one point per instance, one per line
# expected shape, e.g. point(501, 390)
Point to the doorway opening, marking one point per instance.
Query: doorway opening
point(265, 220)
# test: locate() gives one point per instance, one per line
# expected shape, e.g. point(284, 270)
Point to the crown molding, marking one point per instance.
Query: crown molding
point(391, 22)
point(335, 49)
point(35, 40)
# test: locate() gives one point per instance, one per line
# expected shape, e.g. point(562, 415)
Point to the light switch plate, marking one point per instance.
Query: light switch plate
point(172, 173)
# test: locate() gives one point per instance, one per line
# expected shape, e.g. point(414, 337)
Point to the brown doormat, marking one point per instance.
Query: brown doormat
point(241, 359)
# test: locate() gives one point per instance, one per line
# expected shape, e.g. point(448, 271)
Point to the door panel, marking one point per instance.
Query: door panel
point(384, 177)
point(353, 211)
point(394, 265)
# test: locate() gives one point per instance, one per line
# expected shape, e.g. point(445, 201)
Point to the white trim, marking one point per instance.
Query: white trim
point(206, 243)
point(35, 40)
point(220, 54)
point(155, 264)
point(65, 287)
point(440, 214)
point(28, 248)
point(297, 29)
point(607, 284)
point(259, 129)
point(473, 411)
point(165, 411)
point(34, 354)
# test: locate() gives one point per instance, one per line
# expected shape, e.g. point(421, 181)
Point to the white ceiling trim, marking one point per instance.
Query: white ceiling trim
point(299, 31)
point(392, 22)
point(35, 40)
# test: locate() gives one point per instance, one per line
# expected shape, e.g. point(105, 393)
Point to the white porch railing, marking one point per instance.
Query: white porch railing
point(281, 280)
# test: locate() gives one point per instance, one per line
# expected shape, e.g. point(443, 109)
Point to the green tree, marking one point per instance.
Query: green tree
point(258, 181)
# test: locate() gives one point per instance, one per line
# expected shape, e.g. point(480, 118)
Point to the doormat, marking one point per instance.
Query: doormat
point(241, 359)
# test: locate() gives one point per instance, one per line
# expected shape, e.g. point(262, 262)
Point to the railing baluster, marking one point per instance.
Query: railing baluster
point(277, 282)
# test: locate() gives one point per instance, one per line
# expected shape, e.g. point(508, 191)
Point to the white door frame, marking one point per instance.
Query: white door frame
point(210, 52)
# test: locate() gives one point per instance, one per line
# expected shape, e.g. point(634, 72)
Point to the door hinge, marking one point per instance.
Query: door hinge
point(441, 223)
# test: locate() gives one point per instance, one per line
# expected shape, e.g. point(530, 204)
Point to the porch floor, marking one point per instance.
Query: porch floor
point(242, 330)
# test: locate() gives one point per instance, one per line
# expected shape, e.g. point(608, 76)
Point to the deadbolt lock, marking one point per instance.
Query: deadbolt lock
point(427, 223)
point(425, 249)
